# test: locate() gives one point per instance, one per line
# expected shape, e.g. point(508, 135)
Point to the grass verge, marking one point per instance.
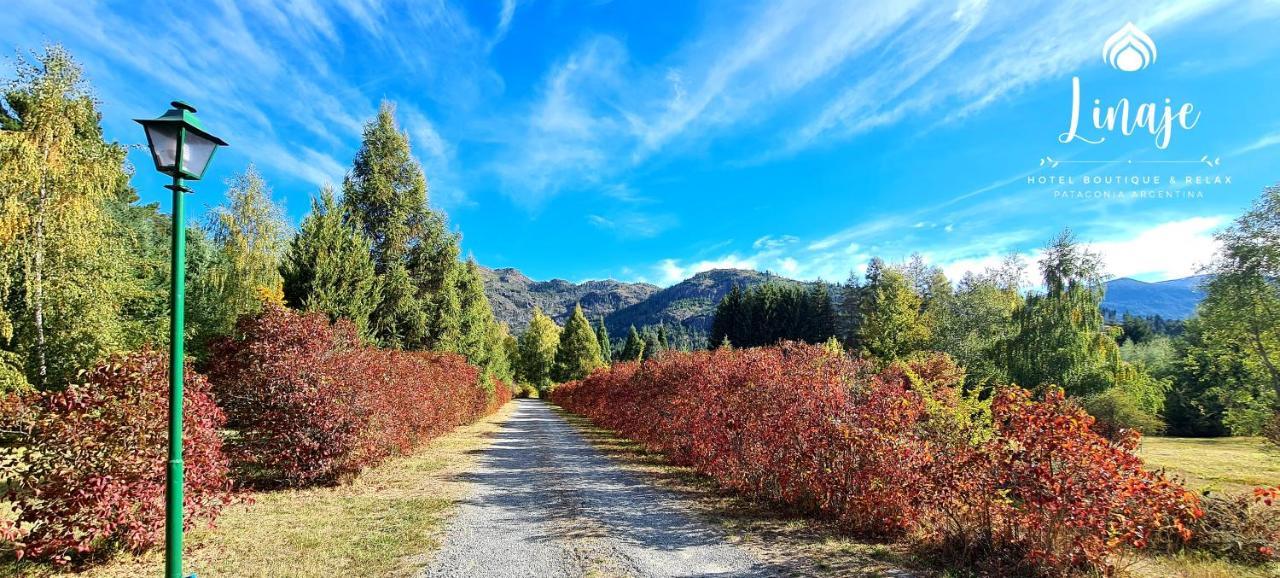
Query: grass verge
point(1219, 464)
point(385, 523)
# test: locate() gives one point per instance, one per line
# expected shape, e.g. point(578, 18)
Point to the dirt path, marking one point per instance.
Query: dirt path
point(543, 502)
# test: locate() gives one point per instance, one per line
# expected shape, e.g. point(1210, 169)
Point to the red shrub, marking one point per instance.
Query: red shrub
point(311, 405)
point(91, 470)
point(795, 423)
point(1048, 495)
point(885, 453)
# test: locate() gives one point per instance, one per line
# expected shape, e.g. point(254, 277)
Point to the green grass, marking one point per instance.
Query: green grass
point(1218, 464)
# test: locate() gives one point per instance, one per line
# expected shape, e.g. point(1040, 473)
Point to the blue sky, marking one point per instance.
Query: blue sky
point(650, 140)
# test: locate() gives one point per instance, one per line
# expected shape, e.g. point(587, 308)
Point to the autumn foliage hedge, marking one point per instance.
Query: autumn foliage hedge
point(1023, 486)
point(89, 474)
point(310, 404)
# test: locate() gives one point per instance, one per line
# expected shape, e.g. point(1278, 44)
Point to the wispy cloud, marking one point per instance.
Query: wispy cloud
point(1262, 142)
point(633, 224)
point(263, 73)
point(804, 74)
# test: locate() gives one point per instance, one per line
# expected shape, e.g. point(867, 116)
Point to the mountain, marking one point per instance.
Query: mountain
point(514, 295)
point(690, 303)
point(1172, 299)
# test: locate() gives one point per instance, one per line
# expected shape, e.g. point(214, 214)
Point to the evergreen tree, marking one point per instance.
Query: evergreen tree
point(415, 257)
point(579, 351)
point(661, 337)
point(474, 338)
point(537, 351)
point(249, 236)
point(773, 312)
point(652, 344)
point(329, 267)
point(849, 312)
point(822, 324)
point(890, 324)
point(633, 350)
point(63, 274)
point(606, 348)
point(728, 319)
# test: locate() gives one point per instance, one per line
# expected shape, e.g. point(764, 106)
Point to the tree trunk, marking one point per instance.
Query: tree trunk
point(37, 277)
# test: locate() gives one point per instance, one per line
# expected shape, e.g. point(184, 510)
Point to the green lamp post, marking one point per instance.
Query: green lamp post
point(181, 149)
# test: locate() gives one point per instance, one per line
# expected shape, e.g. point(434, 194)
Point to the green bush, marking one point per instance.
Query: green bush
point(1116, 411)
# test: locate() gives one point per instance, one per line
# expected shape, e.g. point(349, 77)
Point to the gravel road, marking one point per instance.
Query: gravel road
point(544, 503)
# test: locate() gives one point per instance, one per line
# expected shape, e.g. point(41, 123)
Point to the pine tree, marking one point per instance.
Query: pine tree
point(889, 309)
point(329, 268)
point(822, 315)
point(633, 350)
point(414, 255)
point(727, 323)
point(579, 351)
point(606, 348)
point(537, 351)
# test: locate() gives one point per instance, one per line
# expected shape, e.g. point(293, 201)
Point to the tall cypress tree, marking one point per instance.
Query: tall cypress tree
point(329, 267)
point(633, 350)
point(475, 319)
point(606, 348)
point(579, 351)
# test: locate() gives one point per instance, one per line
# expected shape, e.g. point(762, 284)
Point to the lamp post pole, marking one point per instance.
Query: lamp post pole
point(177, 300)
point(182, 149)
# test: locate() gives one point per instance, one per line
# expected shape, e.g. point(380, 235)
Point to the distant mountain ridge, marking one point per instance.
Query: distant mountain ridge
point(691, 303)
point(1172, 299)
point(513, 295)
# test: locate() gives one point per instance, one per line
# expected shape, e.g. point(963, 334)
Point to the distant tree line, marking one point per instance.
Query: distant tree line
point(1217, 373)
point(772, 312)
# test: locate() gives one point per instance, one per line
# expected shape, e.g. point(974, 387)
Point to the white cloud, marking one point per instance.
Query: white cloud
point(633, 224)
point(1160, 251)
point(670, 271)
point(1163, 251)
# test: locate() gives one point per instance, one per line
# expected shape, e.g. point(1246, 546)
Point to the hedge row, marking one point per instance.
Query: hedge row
point(1021, 486)
point(304, 402)
point(311, 405)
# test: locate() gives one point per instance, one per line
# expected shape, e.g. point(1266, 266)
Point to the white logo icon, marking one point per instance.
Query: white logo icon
point(1129, 49)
